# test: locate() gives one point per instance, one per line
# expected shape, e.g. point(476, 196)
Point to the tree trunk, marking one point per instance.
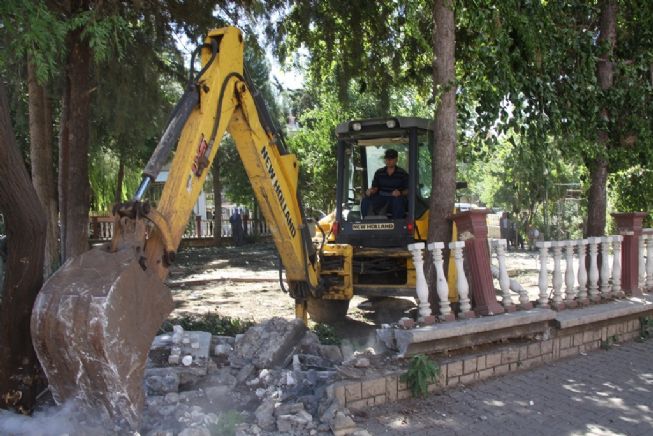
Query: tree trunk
point(444, 152)
point(41, 154)
point(117, 198)
point(597, 202)
point(217, 202)
point(74, 189)
point(26, 232)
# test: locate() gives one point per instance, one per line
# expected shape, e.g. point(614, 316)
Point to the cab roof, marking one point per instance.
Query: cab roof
point(380, 127)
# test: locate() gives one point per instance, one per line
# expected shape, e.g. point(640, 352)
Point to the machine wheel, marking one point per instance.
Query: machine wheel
point(327, 311)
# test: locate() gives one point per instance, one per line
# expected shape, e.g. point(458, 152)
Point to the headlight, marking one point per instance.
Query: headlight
point(356, 127)
point(391, 124)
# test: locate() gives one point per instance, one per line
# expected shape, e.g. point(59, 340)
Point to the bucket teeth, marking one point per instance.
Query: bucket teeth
point(92, 326)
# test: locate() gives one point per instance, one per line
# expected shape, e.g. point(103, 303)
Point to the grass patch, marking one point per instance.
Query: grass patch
point(608, 343)
point(208, 322)
point(227, 422)
point(645, 328)
point(326, 334)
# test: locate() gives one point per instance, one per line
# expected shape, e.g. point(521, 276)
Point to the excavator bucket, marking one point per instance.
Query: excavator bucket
point(93, 323)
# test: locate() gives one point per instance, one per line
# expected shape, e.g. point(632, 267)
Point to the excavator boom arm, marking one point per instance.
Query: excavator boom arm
point(94, 320)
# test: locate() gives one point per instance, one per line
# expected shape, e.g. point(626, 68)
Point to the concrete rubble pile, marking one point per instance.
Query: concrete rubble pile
point(276, 378)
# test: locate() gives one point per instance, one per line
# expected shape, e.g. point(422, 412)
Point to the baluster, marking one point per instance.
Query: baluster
point(557, 276)
point(442, 287)
point(461, 280)
point(642, 263)
point(605, 268)
point(570, 276)
point(524, 299)
point(543, 300)
point(593, 286)
point(421, 286)
point(649, 264)
point(616, 267)
point(504, 280)
point(582, 273)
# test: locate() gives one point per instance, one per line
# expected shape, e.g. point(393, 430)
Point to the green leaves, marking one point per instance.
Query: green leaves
point(31, 29)
point(421, 372)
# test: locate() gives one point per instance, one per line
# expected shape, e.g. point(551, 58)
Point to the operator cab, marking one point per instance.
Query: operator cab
point(361, 148)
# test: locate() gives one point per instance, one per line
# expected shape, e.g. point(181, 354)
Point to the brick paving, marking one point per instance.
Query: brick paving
point(597, 393)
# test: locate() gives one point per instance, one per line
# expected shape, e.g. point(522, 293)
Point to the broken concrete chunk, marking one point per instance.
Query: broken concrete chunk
point(161, 381)
point(362, 362)
point(288, 409)
point(265, 415)
point(217, 393)
point(172, 397)
point(294, 423)
point(222, 376)
point(222, 350)
point(244, 373)
point(310, 343)
point(342, 424)
point(269, 344)
point(195, 431)
point(247, 430)
point(406, 323)
point(331, 353)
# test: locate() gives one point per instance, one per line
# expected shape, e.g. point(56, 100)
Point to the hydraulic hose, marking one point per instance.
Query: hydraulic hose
point(170, 136)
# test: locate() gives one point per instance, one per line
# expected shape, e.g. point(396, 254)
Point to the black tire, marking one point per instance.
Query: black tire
point(327, 311)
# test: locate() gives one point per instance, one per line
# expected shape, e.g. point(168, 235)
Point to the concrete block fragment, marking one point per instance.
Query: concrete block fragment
point(406, 323)
point(161, 381)
point(268, 344)
point(468, 378)
point(534, 350)
point(510, 355)
point(342, 424)
point(391, 388)
point(403, 394)
point(372, 388)
point(454, 369)
point(339, 394)
point(353, 392)
point(547, 347)
point(469, 365)
point(265, 415)
point(492, 360)
point(565, 342)
point(486, 373)
point(501, 369)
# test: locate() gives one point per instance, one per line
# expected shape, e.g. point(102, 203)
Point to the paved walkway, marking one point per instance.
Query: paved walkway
point(601, 393)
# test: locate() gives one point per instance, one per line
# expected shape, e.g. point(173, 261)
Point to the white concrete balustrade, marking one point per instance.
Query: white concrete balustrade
point(421, 287)
point(593, 274)
point(646, 261)
point(442, 287)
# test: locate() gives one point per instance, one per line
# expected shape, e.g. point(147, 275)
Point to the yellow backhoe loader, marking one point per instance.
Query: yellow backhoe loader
point(95, 318)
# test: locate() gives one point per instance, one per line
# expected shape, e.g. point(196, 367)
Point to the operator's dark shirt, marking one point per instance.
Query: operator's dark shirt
point(388, 183)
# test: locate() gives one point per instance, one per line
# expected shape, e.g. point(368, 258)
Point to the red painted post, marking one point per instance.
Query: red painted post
point(629, 225)
point(472, 228)
point(198, 225)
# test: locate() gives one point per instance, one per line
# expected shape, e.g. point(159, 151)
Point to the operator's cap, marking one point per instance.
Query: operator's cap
point(390, 154)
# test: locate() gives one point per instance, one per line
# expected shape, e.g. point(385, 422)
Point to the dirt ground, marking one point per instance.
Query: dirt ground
point(243, 282)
